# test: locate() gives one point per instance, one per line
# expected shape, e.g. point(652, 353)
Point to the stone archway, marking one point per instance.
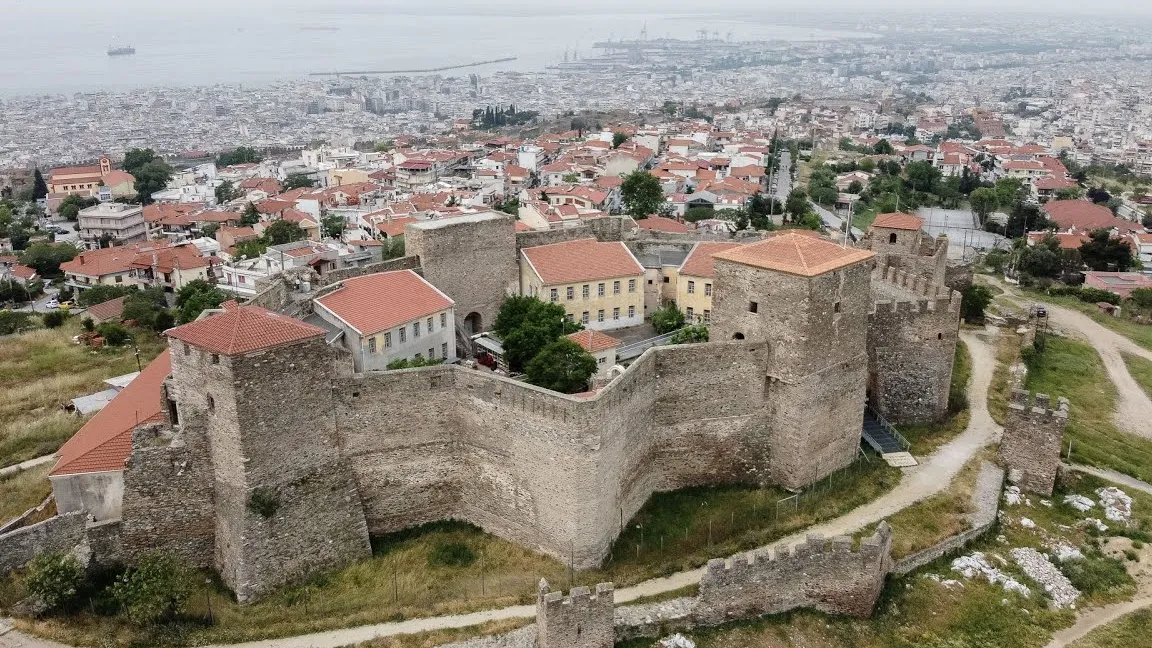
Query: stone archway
point(473, 324)
point(737, 336)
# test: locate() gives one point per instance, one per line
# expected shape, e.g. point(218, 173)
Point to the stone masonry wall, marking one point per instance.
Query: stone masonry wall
point(827, 576)
point(582, 619)
point(59, 533)
point(912, 347)
point(1030, 448)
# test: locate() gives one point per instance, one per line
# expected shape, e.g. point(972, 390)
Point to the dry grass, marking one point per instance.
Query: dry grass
point(1000, 391)
point(1129, 631)
point(439, 637)
point(1141, 371)
point(23, 490)
point(40, 371)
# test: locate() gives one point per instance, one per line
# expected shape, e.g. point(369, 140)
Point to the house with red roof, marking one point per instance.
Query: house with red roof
point(598, 283)
point(599, 345)
point(388, 316)
point(1075, 216)
point(692, 282)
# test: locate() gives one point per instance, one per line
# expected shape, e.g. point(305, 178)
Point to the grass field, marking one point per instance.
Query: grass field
point(1139, 333)
point(1073, 370)
point(23, 490)
point(1141, 371)
point(406, 578)
point(1130, 631)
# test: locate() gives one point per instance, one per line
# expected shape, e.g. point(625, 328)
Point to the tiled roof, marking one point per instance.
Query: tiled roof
point(899, 220)
point(243, 330)
point(185, 257)
point(378, 302)
point(594, 341)
point(1082, 215)
point(795, 254)
point(661, 224)
point(96, 263)
point(582, 260)
point(107, 310)
point(105, 441)
point(698, 263)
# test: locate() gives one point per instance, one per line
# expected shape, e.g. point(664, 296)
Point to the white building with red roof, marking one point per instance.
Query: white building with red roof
point(388, 316)
point(600, 346)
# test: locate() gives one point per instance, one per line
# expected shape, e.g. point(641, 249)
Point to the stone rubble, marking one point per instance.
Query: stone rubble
point(976, 564)
point(1039, 569)
point(1093, 522)
point(1027, 523)
point(1117, 504)
point(1012, 496)
point(1064, 552)
point(1079, 502)
point(677, 641)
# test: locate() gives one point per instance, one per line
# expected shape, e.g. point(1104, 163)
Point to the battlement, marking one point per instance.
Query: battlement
point(1033, 435)
point(582, 619)
point(815, 548)
point(1037, 406)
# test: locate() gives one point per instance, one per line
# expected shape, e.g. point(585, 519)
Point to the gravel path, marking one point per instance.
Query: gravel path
point(932, 476)
point(31, 463)
point(1111, 475)
point(1088, 621)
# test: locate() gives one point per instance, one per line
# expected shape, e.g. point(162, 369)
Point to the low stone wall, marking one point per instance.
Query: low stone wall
point(60, 533)
point(986, 500)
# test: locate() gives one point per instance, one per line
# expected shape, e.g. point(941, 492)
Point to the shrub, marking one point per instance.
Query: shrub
point(1094, 295)
point(263, 502)
point(1096, 573)
point(14, 321)
point(690, 334)
point(54, 577)
point(562, 366)
point(667, 318)
point(113, 333)
point(974, 301)
point(451, 554)
point(156, 588)
point(55, 319)
point(1136, 544)
point(88, 324)
point(401, 363)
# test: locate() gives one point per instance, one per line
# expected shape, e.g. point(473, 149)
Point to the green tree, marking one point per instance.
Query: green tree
point(562, 366)
point(114, 334)
point(298, 181)
point(571, 178)
point(46, 258)
point(1010, 192)
point(690, 334)
point(697, 214)
point(282, 231)
point(923, 176)
point(883, 147)
point(102, 293)
point(54, 319)
point(251, 249)
point(868, 165)
point(144, 306)
point(1141, 298)
point(510, 206)
point(855, 187)
point(250, 216)
point(641, 194)
point(1104, 253)
point(240, 155)
point(209, 229)
point(70, 207)
point(618, 138)
point(667, 318)
point(974, 300)
point(526, 325)
point(797, 203)
point(150, 178)
point(136, 158)
point(53, 578)
point(1025, 218)
point(157, 587)
point(39, 187)
point(225, 192)
point(1040, 260)
point(1070, 193)
point(333, 225)
point(984, 201)
point(824, 195)
point(394, 248)
point(196, 297)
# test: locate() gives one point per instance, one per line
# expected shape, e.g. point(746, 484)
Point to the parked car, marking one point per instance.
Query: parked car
point(52, 303)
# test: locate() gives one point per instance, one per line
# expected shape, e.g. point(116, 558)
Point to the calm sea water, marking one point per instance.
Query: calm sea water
point(60, 46)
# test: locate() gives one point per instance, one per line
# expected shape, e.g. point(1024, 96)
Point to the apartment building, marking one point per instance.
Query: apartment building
point(600, 284)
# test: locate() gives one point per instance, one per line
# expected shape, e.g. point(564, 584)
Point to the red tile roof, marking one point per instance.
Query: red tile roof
point(378, 302)
point(594, 341)
point(1082, 215)
point(105, 441)
point(23, 272)
point(243, 330)
point(105, 311)
point(662, 224)
point(96, 263)
point(795, 254)
point(581, 260)
point(899, 220)
point(699, 263)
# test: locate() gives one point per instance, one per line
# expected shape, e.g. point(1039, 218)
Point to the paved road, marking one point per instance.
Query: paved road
point(783, 177)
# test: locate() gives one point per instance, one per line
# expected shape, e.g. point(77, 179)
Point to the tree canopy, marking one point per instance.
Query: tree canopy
point(618, 138)
point(70, 207)
point(225, 192)
point(39, 187)
point(196, 297)
point(984, 201)
point(1104, 253)
point(240, 155)
point(526, 325)
point(883, 147)
point(298, 181)
point(282, 231)
point(562, 366)
point(152, 173)
point(46, 258)
point(642, 194)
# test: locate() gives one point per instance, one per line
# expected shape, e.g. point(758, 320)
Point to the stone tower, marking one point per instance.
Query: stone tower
point(809, 299)
point(580, 620)
point(1030, 448)
point(285, 504)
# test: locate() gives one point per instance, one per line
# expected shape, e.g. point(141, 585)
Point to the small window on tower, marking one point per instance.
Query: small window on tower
point(753, 307)
point(211, 403)
point(892, 237)
point(836, 307)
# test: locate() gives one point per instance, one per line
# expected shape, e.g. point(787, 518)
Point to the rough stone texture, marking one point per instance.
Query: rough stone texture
point(827, 576)
point(816, 330)
point(472, 259)
point(59, 533)
point(656, 619)
point(104, 540)
point(912, 336)
point(958, 276)
point(916, 253)
point(1030, 449)
point(580, 620)
point(168, 502)
point(402, 263)
point(522, 638)
point(985, 499)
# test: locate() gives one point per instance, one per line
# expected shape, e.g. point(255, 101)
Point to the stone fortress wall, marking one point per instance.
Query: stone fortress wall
point(1030, 448)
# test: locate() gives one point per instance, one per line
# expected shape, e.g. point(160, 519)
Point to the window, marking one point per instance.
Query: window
point(403, 335)
point(388, 340)
point(600, 290)
point(570, 293)
point(119, 278)
point(240, 278)
point(665, 279)
point(616, 313)
point(554, 295)
point(689, 313)
point(443, 320)
point(631, 311)
point(649, 282)
point(602, 360)
point(600, 315)
point(584, 317)
point(753, 307)
point(631, 285)
point(215, 359)
point(431, 354)
point(429, 324)
point(585, 291)
point(415, 330)
point(371, 345)
point(187, 349)
point(691, 287)
point(570, 317)
point(836, 307)
point(615, 287)
point(892, 237)
point(444, 350)
point(707, 290)
point(707, 316)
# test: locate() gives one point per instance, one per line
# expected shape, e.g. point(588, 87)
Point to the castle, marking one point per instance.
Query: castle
point(276, 459)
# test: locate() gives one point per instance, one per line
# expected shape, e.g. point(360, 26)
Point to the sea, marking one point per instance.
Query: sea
point(60, 46)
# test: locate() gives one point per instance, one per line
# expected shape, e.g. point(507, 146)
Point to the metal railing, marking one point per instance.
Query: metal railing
point(634, 350)
point(887, 428)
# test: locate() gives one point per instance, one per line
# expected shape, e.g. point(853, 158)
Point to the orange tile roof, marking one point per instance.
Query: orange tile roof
point(96, 263)
point(107, 310)
point(899, 220)
point(581, 260)
point(1084, 215)
point(661, 224)
point(795, 254)
point(105, 441)
point(243, 330)
point(378, 302)
point(594, 341)
point(699, 263)
point(184, 257)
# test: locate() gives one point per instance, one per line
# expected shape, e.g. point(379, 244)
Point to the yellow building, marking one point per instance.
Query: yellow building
point(692, 281)
point(599, 284)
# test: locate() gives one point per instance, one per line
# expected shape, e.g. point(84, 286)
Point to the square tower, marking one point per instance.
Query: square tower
point(808, 298)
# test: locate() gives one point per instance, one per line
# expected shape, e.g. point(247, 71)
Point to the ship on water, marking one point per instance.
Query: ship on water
point(121, 51)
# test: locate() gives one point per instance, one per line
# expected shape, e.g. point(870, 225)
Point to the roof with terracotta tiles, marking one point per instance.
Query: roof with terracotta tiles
point(1083, 215)
point(105, 441)
point(243, 330)
point(381, 301)
point(582, 260)
point(594, 341)
point(899, 220)
point(662, 224)
point(796, 254)
point(95, 263)
point(105, 311)
point(699, 263)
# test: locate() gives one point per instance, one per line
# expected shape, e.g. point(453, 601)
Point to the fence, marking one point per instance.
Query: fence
point(636, 349)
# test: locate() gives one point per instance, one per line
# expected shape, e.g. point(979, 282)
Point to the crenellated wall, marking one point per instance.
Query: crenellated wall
point(582, 619)
point(1030, 448)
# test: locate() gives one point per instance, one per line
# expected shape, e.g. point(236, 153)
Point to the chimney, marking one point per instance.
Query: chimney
point(81, 257)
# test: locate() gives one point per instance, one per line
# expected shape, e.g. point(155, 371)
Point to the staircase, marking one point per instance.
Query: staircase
point(885, 440)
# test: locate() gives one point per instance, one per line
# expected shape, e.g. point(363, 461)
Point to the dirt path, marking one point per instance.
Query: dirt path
point(1088, 621)
point(1111, 475)
point(31, 463)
